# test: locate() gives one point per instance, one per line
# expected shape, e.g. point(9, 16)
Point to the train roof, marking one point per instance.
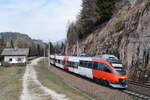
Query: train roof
point(107, 57)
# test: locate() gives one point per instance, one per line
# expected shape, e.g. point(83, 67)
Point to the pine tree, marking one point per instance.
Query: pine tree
point(2, 43)
point(11, 44)
point(92, 14)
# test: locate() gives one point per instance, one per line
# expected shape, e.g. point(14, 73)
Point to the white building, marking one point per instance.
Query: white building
point(15, 55)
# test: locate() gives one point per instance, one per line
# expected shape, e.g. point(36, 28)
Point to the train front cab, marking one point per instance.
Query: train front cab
point(52, 59)
point(104, 71)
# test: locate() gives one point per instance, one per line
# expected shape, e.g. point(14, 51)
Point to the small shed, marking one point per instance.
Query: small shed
point(15, 55)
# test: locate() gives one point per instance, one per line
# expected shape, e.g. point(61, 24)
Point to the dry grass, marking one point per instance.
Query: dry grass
point(54, 82)
point(10, 82)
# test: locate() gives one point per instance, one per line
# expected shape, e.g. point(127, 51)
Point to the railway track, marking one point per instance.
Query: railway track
point(139, 84)
point(93, 89)
point(139, 90)
point(129, 91)
point(139, 95)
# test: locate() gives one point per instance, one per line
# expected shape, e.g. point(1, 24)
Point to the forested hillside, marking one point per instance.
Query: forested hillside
point(19, 40)
point(13, 36)
point(94, 14)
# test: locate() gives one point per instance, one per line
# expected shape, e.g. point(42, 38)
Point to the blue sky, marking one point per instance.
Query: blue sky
point(40, 19)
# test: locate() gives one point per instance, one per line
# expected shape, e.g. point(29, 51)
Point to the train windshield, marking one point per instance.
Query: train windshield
point(117, 66)
point(121, 71)
point(115, 61)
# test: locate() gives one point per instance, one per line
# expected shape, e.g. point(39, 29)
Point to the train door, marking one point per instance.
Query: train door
point(74, 67)
point(102, 71)
point(85, 69)
point(106, 72)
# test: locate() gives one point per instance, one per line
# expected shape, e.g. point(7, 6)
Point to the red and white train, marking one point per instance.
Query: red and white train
point(106, 69)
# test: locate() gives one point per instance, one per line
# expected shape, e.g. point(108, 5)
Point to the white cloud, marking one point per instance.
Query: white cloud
point(42, 19)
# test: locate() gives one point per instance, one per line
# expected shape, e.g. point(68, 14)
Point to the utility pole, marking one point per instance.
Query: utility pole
point(49, 51)
point(146, 51)
point(67, 49)
point(77, 48)
point(146, 57)
point(44, 55)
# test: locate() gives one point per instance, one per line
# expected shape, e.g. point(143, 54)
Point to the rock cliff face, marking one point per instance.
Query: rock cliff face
point(126, 35)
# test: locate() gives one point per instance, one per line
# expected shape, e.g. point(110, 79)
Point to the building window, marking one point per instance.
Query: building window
point(19, 59)
point(10, 59)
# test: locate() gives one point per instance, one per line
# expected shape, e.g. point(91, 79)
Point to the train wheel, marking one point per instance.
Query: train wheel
point(105, 82)
point(96, 80)
point(102, 82)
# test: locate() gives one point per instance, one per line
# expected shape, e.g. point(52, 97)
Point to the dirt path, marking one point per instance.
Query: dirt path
point(34, 90)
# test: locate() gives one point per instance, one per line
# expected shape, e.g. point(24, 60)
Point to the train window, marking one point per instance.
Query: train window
point(85, 64)
point(68, 63)
point(62, 62)
point(71, 64)
point(81, 63)
point(95, 65)
point(101, 66)
point(59, 61)
point(90, 64)
point(107, 69)
point(65, 63)
point(76, 64)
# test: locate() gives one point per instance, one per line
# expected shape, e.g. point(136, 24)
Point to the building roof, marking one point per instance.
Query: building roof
point(15, 52)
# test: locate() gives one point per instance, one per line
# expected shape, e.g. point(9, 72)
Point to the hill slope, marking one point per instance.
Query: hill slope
point(15, 39)
point(14, 35)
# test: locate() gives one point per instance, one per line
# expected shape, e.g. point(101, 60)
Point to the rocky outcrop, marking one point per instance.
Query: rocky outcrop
point(126, 35)
point(132, 2)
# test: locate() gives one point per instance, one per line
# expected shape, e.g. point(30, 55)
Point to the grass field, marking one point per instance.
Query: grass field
point(54, 82)
point(10, 82)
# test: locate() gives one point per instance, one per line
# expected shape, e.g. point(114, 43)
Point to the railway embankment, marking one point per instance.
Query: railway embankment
point(54, 82)
point(139, 88)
